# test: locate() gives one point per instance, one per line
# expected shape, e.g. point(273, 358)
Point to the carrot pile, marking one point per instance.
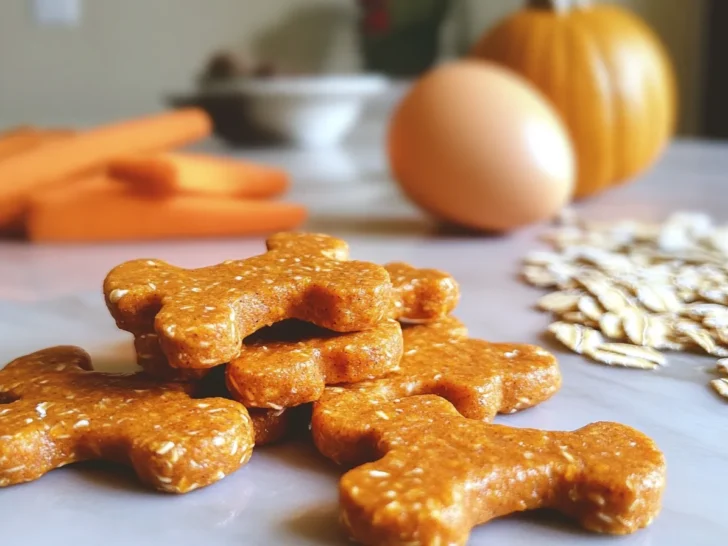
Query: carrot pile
point(126, 181)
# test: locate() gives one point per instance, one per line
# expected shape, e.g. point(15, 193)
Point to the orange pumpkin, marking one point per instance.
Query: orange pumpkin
point(606, 73)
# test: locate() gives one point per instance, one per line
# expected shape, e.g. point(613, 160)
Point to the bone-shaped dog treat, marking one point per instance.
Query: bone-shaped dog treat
point(441, 474)
point(422, 294)
point(479, 378)
point(55, 411)
point(278, 373)
point(153, 361)
point(273, 426)
point(270, 426)
point(291, 362)
point(202, 315)
point(419, 295)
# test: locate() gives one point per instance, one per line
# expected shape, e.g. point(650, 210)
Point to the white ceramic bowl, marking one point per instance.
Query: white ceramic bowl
point(307, 111)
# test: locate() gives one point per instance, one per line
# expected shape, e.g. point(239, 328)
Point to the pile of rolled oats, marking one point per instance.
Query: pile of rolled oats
point(625, 291)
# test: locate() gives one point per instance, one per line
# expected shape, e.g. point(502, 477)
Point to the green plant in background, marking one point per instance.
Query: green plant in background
point(401, 37)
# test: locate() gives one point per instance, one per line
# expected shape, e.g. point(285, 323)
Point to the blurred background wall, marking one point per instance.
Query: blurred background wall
point(124, 55)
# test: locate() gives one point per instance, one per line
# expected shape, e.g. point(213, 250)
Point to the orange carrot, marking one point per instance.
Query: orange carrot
point(58, 162)
point(17, 141)
point(14, 138)
point(176, 173)
point(17, 130)
point(97, 209)
point(21, 139)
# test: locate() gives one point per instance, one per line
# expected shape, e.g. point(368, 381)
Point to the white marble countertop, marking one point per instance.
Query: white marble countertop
point(287, 494)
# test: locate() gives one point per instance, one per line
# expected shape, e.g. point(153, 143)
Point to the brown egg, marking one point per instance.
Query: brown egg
point(476, 145)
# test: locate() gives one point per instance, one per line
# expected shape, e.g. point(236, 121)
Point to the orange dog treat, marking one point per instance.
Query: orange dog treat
point(177, 173)
point(153, 361)
point(480, 378)
point(58, 162)
point(270, 426)
point(439, 474)
point(422, 294)
point(97, 209)
point(273, 426)
point(291, 362)
point(56, 411)
point(202, 315)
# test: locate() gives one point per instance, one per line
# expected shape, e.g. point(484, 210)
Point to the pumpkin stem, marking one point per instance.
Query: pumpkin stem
point(559, 6)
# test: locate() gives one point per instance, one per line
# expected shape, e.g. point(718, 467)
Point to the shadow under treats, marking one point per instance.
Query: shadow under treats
point(317, 526)
point(302, 455)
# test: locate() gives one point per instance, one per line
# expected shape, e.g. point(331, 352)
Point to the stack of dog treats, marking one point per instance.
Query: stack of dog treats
point(126, 181)
point(388, 380)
